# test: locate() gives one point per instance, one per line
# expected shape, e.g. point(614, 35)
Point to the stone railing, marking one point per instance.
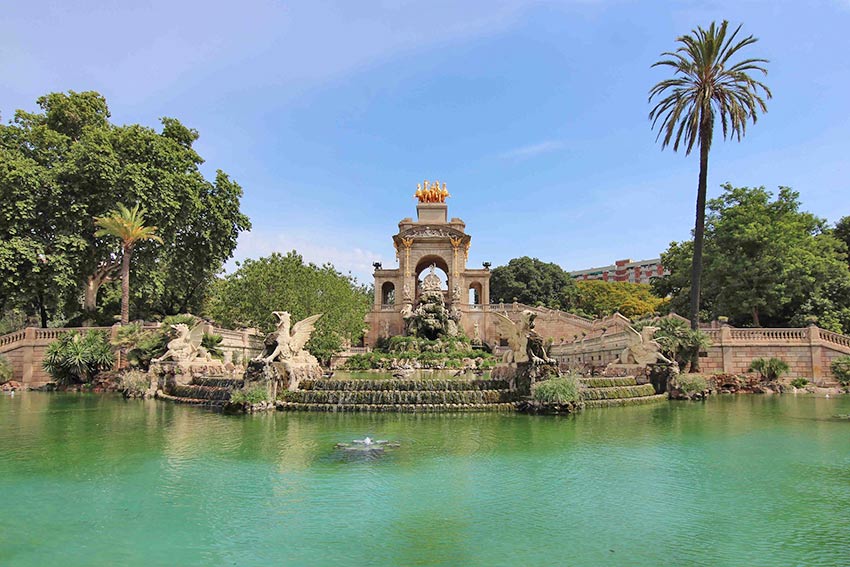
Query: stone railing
point(808, 351)
point(835, 338)
point(762, 334)
point(25, 348)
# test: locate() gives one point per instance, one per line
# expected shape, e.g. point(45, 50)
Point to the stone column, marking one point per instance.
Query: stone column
point(726, 348)
point(815, 352)
point(28, 351)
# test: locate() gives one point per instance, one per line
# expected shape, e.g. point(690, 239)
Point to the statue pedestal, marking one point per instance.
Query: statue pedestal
point(522, 375)
point(615, 369)
point(181, 373)
point(286, 375)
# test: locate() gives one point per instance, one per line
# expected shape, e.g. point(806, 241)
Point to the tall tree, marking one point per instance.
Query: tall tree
point(278, 282)
point(707, 85)
point(532, 281)
point(766, 263)
point(128, 225)
point(66, 164)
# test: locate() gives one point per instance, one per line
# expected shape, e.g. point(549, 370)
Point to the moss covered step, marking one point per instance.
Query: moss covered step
point(403, 384)
point(415, 397)
point(403, 408)
point(618, 392)
point(192, 391)
point(218, 382)
point(625, 401)
point(189, 400)
point(608, 382)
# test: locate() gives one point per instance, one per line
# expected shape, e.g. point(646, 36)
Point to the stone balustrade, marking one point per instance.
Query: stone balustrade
point(808, 351)
point(25, 349)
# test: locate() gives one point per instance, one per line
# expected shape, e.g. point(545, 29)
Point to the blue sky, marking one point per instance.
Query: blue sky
point(533, 113)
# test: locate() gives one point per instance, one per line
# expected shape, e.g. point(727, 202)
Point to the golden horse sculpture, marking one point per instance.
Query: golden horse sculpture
point(428, 192)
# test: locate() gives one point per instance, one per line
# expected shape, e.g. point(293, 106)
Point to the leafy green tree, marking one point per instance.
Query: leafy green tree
point(766, 263)
point(279, 282)
point(127, 225)
point(67, 164)
point(842, 231)
point(598, 298)
point(532, 281)
point(707, 85)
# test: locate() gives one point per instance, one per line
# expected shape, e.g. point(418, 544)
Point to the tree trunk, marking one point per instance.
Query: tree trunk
point(756, 322)
point(125, 285)
point(699, 234)
point(93, 284)
point(42, 311)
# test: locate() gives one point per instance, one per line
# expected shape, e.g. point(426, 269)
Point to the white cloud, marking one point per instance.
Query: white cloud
point(532, 150)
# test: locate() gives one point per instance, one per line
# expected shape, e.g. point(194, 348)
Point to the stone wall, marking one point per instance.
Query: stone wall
point(808, 351)
point(25, 349)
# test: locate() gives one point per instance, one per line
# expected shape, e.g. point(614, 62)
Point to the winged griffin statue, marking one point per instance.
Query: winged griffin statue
point(642, 348)
point(187, 346)
point(524, 342)
point(285, 343)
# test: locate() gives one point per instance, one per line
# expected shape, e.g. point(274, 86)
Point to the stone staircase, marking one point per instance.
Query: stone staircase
point(600, 392)
point(203, 391)
point(400, 395)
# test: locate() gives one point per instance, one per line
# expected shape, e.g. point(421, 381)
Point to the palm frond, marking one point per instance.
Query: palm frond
point(705, 86)
point(126, 224)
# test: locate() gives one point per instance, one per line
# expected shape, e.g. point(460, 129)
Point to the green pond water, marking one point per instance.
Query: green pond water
point(750, 480)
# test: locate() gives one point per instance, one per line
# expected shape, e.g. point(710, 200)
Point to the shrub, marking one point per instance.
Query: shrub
point(769, 369)
point(5, 369)
point(799, 382)
point(135, 382)
point(74, 357)
point(253, 394)
point(841, 369)
point(212, 343)
point(691, 383)
point(557, 390)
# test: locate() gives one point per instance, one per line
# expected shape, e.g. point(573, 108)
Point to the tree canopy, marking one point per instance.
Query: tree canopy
point(598, 298)
point(532, 281)
point(65, 165)
point(279, 282)
point(766, 263)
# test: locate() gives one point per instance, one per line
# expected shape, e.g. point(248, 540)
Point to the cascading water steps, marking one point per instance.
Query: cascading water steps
point(400, 395)
point(625, 391)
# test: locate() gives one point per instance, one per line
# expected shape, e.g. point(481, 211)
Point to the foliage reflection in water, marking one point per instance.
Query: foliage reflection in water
point(752, 480)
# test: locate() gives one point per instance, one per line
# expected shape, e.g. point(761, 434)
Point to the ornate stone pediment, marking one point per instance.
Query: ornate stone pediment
point(431, 232)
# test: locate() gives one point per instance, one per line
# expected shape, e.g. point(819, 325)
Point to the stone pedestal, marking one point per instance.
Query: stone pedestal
point(181, 373)
point(522, 375)
point(286, 375)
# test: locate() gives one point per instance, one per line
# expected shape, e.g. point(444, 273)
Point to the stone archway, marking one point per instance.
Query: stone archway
point(424, 264)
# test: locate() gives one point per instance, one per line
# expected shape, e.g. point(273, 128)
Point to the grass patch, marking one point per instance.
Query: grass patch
point(253, 394)
point(564, 390)
point(691, 383)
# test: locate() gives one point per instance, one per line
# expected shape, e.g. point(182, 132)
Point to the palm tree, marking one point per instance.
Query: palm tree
point(706, 85)
point(129, 226)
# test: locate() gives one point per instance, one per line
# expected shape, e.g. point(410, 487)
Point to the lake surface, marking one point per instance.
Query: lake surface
point(751, 480)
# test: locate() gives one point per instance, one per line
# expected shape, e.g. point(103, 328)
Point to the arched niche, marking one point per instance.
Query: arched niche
point(476, 292)
point(388, 293)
